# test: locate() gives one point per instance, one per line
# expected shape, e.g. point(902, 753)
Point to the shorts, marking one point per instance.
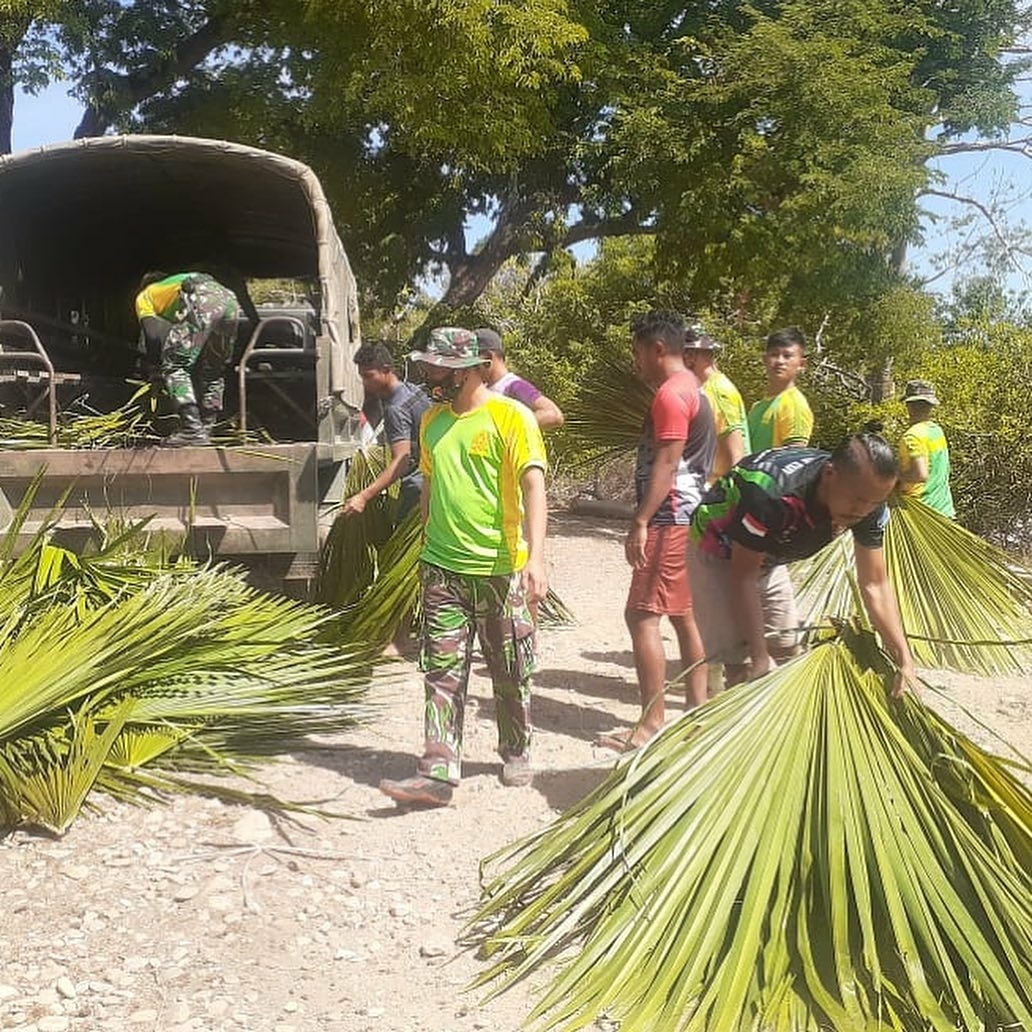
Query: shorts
point(710, 578)
point(661, 586)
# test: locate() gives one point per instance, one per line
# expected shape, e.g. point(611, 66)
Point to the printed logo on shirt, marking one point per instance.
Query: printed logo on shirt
point(753, 525)
point(480, 445)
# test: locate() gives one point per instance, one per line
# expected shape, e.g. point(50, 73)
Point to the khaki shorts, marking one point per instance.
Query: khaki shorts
point(715, 616)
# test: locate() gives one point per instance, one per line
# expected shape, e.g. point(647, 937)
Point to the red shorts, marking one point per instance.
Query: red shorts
point(661, 585)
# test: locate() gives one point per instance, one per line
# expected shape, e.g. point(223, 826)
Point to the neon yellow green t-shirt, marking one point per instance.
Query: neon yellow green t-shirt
point(783, 419)
point(927, 441)
point(728, 411)
point(473, 463)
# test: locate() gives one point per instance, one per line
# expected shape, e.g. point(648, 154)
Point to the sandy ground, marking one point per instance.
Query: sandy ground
point(203, 916)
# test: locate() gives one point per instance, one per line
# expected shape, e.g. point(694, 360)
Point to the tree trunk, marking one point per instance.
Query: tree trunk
point(6, 99)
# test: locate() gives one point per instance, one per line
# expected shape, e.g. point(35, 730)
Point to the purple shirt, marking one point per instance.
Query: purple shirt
point(515, 387)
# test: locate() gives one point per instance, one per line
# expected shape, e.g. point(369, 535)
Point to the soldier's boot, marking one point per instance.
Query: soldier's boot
point(192, 431)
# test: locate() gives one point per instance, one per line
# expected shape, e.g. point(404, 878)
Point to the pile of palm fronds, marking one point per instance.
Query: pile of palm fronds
point(80, 427)
point(122, 659)
point(369, 568)
point(964, 603)
point(801, 853)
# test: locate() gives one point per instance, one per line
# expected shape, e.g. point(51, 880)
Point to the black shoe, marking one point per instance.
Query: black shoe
point(192, 432)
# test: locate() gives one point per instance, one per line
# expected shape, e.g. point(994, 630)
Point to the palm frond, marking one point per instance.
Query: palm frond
point(965, 604)
point(606, 418)
point(121, 658)
point(790, 856)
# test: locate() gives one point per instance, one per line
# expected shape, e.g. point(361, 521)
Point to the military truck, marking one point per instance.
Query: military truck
point(79, 224)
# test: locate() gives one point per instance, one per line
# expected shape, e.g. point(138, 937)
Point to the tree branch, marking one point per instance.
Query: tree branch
point(1009, 247)
point(595, 229)
point(1022, 145)
point(126, 91)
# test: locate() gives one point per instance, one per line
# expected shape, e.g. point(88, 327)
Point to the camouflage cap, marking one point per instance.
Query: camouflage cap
point(920, 390)
point(697, 339)
point(451, 347)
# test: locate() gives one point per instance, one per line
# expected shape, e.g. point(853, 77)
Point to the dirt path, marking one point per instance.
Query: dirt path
point(201, 916)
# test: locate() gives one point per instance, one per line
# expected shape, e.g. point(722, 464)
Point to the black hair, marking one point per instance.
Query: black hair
point(154, 276)
point(374, 356)
point(659, 325)
point(790, 336)
point(867, 446)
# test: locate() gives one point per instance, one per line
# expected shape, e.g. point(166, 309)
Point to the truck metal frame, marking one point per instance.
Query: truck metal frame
point(79, 223)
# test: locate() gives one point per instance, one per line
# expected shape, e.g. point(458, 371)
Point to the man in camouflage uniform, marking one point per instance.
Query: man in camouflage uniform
point(190, 321)
point(482, 563)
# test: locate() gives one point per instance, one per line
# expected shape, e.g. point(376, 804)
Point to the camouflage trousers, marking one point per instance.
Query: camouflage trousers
point(197, 348)
point(455, 608)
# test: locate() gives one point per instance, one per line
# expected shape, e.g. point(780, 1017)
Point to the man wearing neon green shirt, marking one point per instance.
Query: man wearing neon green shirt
point(924, 456)
point(482, 563)
point(783, 418)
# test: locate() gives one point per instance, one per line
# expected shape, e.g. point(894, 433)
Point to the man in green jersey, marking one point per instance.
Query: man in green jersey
point(700, 356)
point(783, 418)
point(924, 457)
point(482, 563)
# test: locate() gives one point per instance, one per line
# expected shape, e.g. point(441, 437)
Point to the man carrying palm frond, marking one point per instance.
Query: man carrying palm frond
point(482, 564)
point(773, 508)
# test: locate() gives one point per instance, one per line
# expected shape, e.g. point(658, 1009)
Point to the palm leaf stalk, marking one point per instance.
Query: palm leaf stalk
point(371, 573)
point(800, 853)
point(965, 604)
point(120, 659)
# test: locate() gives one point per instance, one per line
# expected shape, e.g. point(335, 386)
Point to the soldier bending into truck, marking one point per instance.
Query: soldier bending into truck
point(189, 323)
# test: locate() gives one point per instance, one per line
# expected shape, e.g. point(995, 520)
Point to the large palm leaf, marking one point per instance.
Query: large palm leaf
point(800, 853)
point(965, 604)
point(122, 657)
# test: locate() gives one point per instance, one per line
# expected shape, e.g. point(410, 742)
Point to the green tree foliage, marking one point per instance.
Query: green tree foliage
point(982, 372)
point(775, 149)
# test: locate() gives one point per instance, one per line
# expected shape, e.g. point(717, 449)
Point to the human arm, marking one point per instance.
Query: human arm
point(913, 459)
point(661, 480)
point(547, 413)
point(535, 508)
point(883, 609)
point(746, 568)
point(401, 452)
point(730, 451)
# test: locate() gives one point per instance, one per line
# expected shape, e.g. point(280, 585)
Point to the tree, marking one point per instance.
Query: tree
point(775, 150)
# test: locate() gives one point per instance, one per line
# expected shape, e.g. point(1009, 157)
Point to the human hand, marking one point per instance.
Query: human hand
point(634, 544)
point(355, 504)
point(535, 581)
point(905, 680)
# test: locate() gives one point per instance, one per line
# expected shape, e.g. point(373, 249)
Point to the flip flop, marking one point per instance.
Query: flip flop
point(618, 741)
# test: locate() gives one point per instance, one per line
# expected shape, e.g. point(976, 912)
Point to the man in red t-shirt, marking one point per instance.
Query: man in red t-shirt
point(675, 453)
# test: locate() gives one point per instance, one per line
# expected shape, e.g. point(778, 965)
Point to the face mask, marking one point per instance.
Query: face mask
point(447, 391)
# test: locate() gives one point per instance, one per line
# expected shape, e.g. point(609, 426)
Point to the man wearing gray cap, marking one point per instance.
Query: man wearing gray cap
point(482, 563)
point(924, 456)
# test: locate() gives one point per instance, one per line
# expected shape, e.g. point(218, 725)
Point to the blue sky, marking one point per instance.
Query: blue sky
point(995, 179)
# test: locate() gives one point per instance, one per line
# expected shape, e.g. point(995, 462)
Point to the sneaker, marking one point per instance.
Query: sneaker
point(516, 771)
point(418, 791)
